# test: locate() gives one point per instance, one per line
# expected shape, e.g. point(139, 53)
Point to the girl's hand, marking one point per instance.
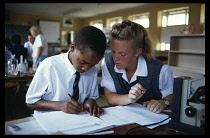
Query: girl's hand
point(155, 106)
point(136, 92)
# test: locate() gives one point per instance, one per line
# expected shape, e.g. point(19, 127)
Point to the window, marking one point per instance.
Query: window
point(175, 17)
point(98, 24)
point(113, 21)
point(142, 19)
point(173, 21)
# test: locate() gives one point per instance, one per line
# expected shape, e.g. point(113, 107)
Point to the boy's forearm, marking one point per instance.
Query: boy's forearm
point(45, 105)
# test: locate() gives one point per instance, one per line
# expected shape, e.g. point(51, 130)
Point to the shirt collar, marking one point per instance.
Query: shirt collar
point(70, 67)
point(140, 71)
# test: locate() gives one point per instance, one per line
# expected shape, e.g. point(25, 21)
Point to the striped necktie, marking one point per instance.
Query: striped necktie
point(75, 87)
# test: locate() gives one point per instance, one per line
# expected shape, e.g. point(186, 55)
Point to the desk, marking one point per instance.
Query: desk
point(15, 106)
point(20, 79)
point(160, 130)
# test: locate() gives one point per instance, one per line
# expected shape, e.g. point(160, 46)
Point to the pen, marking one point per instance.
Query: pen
point(73, 99)
point(70, 96)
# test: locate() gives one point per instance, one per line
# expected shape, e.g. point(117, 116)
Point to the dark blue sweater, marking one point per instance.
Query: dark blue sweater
point(150, 82)
point(18, 50)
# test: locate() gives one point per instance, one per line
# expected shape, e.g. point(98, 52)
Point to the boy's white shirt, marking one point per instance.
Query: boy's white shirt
point(55, 77)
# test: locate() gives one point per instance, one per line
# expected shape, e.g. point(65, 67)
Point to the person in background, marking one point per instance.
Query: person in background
point(7, 42)
point(40, 46)
point(52, 85)
point(130, 73)
point(17, 48)
point(29, 46)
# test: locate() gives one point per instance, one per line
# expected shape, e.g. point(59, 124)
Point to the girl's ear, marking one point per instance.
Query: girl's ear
point(72, 47)
point(138, 52)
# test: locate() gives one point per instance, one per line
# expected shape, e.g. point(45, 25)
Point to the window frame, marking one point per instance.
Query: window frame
point(92, 23)
point(142, 15)
point(171, 12)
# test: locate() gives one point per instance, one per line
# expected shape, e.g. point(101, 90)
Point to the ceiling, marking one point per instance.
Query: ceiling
point(73, 10)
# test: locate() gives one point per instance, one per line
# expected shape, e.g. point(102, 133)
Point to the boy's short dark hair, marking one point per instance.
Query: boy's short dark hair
point(92, 38)
point(16, 39)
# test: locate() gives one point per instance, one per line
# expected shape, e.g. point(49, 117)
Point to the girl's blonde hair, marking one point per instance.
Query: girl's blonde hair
point(36, 29)
point(128, 30)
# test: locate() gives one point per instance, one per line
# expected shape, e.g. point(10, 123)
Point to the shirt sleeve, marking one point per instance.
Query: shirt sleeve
point(26, 44)
point(94, 90)
point(38, 86)
point(166, 81)
point(106, 80)
point(38, 41)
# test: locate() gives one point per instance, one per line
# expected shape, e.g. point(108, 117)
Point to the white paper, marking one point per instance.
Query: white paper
point(73, 124)
point(113, 119)
point(138, 114)
point(29, 128)
point(82, 123)
point(99, 126)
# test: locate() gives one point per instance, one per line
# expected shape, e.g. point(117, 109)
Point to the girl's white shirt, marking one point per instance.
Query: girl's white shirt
point(166, 79)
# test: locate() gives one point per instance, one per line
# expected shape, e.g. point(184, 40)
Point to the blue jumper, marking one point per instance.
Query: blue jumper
point(150, 82)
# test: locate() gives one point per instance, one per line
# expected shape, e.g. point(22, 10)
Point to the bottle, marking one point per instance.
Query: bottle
point(8, 55)
point(12, 64)
point(21, 66)
point(26, 63)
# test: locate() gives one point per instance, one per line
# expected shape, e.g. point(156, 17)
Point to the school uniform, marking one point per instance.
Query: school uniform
point(54, 78)
point(153, 75)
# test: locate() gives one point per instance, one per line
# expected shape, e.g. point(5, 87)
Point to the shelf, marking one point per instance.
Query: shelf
point(187, 55)
point(191, 35)
point(187, 52)
point(190, 70)
point(189, 43)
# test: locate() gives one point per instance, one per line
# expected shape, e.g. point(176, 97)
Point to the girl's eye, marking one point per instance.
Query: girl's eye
point(82, 62)
point(122, 54)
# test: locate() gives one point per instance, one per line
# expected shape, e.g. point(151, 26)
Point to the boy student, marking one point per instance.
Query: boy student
point(52, 86)
point(130, 73)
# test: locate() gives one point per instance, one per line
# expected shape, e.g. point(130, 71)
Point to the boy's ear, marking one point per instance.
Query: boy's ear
point(72, 47)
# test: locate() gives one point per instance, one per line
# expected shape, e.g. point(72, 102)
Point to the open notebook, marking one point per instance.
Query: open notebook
point(82, 123)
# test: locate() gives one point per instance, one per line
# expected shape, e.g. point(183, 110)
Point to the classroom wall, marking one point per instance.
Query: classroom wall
point(25, 19)
point(155, 18)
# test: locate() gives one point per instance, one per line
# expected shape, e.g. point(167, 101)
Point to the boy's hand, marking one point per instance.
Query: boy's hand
point(71, 106)
point(93, 108)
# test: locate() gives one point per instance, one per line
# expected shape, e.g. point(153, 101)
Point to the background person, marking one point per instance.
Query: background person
point(40, 46)
point(29, 46)
point(17, 48)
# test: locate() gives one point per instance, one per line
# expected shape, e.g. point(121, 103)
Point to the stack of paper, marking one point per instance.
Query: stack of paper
point(73, 124)
point(83, 123)
point(136, 113)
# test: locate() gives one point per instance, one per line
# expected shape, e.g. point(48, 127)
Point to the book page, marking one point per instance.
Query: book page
point(74, 124)
point(138, 114)
point(60, 121)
